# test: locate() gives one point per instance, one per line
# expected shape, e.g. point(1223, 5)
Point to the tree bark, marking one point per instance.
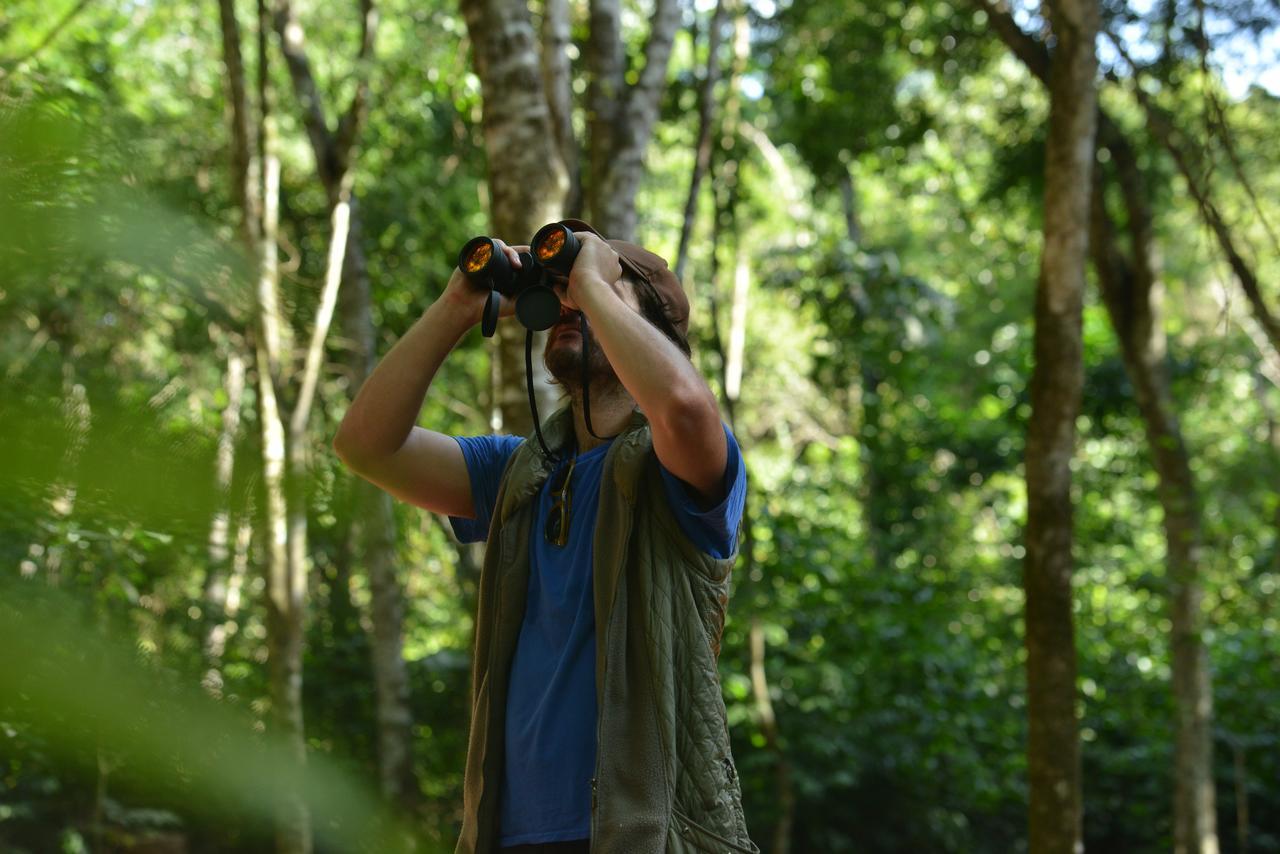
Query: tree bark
point(557, 76)
point(220, 574)
point(526, 174)
point(871, 492)
point(375, 534)
point(284, 587)
point(347, 282)
point(1134, 296)
point(702, 149)
point(621, 117)
point(1053, 752)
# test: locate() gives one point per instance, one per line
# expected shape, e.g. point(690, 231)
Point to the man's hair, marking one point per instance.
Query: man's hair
point(652, 309)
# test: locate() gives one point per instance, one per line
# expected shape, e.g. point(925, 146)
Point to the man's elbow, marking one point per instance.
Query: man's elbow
point(348, 450)
point(693, 410)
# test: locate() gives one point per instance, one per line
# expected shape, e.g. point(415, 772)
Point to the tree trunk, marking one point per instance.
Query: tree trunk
point(621, 117)
point(1134, 296)
point(348, 283)
point(1053, 751)
point(526, 177)
point(375, 534)
point(220, 574)
point(871, 490)
point(283, 586)
point(557, 76)
point(702, 156)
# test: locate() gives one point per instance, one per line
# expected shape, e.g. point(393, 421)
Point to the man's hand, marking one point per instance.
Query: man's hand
point(596, 262)
point(463, 295)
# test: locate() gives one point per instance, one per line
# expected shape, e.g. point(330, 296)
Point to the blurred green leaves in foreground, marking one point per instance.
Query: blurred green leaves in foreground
point(67, 684)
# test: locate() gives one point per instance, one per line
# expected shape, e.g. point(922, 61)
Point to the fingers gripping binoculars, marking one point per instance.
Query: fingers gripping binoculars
point(554, 249)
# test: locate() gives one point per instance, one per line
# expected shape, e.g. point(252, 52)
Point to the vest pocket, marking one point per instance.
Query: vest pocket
point(697, 838)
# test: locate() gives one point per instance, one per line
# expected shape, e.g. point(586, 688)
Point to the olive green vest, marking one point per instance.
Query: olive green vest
point(665, 780)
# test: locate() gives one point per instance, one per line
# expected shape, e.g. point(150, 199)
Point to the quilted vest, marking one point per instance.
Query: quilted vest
point(665, 780)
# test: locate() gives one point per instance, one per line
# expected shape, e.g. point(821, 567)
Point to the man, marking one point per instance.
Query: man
point(597, 718)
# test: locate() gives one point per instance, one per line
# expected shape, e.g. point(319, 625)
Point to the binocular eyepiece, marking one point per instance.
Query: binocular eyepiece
point(553, 250)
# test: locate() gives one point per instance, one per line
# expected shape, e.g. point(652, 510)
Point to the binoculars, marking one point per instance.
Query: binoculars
point(553, 250)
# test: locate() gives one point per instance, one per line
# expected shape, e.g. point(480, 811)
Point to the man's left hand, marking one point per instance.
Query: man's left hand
point(597, 263)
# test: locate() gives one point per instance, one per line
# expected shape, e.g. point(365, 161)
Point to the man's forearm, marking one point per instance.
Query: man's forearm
point(650, 366)
point(386, 408)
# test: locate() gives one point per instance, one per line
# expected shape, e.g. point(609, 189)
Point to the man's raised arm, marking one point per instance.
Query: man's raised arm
point(378, 438)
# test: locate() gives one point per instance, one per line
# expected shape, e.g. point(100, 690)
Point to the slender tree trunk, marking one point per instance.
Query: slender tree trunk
point(220, 577)
point(527, 180)
point(77, 417)
point(1241, 774)
point(375, 534)
point(871, 485)
point(621, 117)
point(283, 586)
point(1053, 752)
point(702, 155)
point(1134, 296)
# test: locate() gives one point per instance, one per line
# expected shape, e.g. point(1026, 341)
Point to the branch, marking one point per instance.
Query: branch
point(1163, 129)
point(1036, 57)
point(340, 225)
point(1217, 121)
point(352, 121)
point(557, 79)
point(293, 46)
point(241, 147)
point(1030, 50)
point(702, 160)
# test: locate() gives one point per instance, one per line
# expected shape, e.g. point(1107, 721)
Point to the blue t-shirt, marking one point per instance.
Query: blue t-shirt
point(551, 696)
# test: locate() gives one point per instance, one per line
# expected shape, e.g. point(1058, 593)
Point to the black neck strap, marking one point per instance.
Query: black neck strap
point(533, 399)
point(585, 331)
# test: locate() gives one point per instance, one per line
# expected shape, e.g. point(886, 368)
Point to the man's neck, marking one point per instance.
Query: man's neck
point(611, 408)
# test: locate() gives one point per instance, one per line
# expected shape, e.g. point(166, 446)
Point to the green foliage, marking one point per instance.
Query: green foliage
point(883, 439)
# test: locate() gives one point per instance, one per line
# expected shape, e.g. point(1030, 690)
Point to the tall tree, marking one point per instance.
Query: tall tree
point(285, 445)
point(621, 115)
point(335, 151)
point(1133, 294)
point(527, 177)
point(1053, 751)
point(256, 185)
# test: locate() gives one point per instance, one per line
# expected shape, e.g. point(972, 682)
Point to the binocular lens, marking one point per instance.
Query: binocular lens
point(550, 247)
point(479, 257)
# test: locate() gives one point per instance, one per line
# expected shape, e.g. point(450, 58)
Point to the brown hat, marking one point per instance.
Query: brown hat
point(652, 269)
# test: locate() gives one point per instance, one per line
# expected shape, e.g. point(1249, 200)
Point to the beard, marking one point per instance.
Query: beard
point(563, 360)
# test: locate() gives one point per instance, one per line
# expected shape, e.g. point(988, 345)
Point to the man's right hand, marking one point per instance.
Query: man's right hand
point(462, 295)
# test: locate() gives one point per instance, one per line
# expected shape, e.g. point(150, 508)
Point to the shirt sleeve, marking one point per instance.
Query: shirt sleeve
point(715, 529)
point(486, 458)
